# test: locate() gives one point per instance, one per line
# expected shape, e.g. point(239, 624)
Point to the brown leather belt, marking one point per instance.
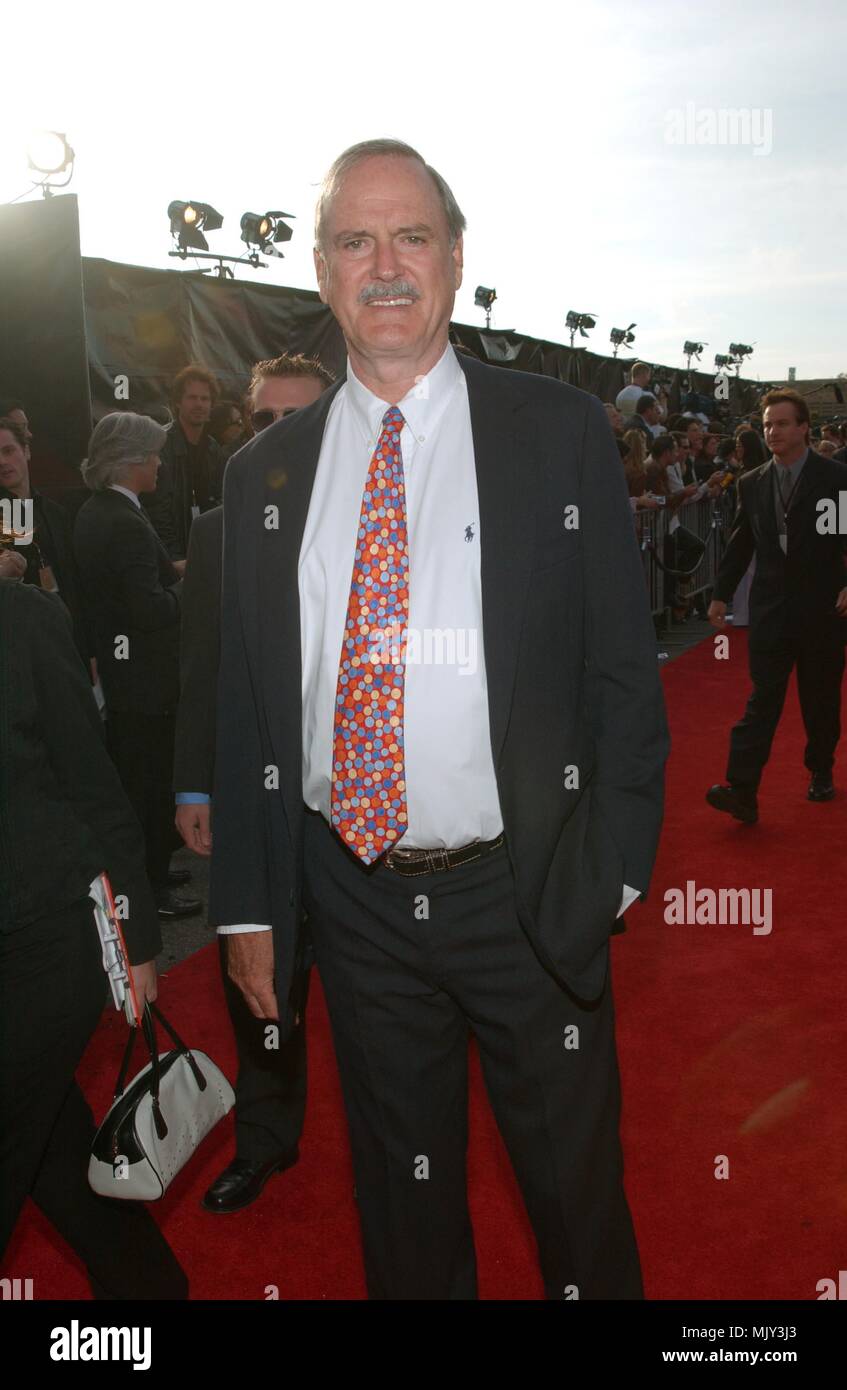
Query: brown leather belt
point(427, 861)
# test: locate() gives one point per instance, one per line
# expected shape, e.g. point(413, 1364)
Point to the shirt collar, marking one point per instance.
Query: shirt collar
point(116, 487)
point(793, 468)
point(421, 407)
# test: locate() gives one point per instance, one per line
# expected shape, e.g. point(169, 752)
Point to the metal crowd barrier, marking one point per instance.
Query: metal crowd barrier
point(711, 521)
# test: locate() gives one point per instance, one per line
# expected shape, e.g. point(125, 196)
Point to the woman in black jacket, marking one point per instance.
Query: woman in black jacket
point(64, 819)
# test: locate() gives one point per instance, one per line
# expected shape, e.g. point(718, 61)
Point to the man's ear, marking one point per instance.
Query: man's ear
point(321, 273)
point(458, 261)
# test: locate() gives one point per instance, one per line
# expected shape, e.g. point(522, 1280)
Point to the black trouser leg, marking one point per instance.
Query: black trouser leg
point(402, 1049)
point(409, 965)
point(142, 748)
point(820, 668)
point(52, 990)
point(270, 1093)
point(751, 738)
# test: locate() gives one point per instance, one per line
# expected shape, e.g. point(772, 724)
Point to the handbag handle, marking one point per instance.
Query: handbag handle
point(150, 1038)
point(169, 1028)
point(149, 1032)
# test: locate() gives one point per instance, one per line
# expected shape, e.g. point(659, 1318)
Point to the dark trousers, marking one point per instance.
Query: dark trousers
point(411, 966)
point(820, 666)
point(52, 991)
point(142, 749)
point(270, 1093)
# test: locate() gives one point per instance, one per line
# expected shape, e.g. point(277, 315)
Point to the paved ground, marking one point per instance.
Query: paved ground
point(182, 939)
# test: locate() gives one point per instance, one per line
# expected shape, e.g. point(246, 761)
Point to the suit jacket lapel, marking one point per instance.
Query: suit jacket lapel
point(291, 459)
point(505, 455)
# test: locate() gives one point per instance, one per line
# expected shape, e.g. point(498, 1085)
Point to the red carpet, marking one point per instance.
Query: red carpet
point(730, 1044)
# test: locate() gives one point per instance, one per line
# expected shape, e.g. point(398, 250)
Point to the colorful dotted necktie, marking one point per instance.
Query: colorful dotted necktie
point(368, 801)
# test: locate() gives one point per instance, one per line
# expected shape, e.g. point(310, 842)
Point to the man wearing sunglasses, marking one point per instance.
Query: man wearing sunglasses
point(270, 1093)
point(282, 385)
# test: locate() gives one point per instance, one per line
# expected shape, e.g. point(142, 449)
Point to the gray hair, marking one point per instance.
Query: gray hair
point(119, 440)
point(369, 149)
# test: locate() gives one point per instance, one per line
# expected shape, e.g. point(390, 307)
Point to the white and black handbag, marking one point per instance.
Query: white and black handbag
point(153, 1127)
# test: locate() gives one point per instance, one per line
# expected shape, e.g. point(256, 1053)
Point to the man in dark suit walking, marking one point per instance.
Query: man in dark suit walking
point(445, 737)
point(798, 603)
point(270, 1093)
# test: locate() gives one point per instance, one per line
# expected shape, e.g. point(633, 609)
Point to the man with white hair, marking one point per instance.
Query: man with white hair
point(462, 834)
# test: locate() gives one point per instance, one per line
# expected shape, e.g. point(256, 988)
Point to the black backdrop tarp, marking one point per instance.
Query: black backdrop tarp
point(73, 326)
point(146, 324)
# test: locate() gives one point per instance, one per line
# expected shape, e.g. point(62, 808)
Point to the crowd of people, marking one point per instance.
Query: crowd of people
point(674, 461)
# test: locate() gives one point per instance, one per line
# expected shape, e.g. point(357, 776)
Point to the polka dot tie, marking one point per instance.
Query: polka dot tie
point(368, 801)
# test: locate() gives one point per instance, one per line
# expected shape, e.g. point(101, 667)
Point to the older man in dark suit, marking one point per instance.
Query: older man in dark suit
point(133, 595)
point(445, 736)
point(798, 603)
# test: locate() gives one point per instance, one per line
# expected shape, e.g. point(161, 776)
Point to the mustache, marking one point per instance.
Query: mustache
point(401, 289)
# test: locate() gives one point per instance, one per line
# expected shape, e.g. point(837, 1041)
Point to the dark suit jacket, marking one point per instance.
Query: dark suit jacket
point(199, 656)
point(131, 590)
point(791, 595)
point(54, 543)
point(64, 816)
point(169, 507)
point(570, 657)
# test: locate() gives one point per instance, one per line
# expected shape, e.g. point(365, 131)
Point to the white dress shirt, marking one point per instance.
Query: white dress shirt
point(451, 787)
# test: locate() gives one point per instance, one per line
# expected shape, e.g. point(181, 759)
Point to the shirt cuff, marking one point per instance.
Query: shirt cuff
point(627, 898)
point(192, 799)
point(243, 926)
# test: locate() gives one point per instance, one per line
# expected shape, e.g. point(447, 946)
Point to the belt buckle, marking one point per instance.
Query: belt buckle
point(433, 854)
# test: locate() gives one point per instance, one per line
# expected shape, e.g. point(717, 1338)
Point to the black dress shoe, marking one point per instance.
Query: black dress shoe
point(242, 1182)
point(170, 906)
point(178, 877)
point(820, 787)
point(742, 805)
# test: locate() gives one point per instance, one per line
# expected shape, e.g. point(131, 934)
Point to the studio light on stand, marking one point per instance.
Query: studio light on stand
point(265, 232)
point(483, 299)
point(49, 154)
point(737, 352)
point(691, 349)
point(577, 322)
point(622, 337)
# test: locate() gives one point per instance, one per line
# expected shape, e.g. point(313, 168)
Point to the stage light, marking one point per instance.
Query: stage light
point(266, 231)
point(691, 349)
point(483, 299)
point(190, 220)
point(48, 152)
point(721, 360)
point(620, 336)
point(740, 350)
point(578, 322)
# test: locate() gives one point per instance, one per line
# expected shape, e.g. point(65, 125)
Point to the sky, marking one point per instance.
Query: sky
point(568, 133)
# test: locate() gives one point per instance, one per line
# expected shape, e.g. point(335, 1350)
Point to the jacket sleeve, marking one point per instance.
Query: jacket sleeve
point(149, 605)
point(624, 698)
point(73, 734)
point(740, 549)
point(239, 885)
